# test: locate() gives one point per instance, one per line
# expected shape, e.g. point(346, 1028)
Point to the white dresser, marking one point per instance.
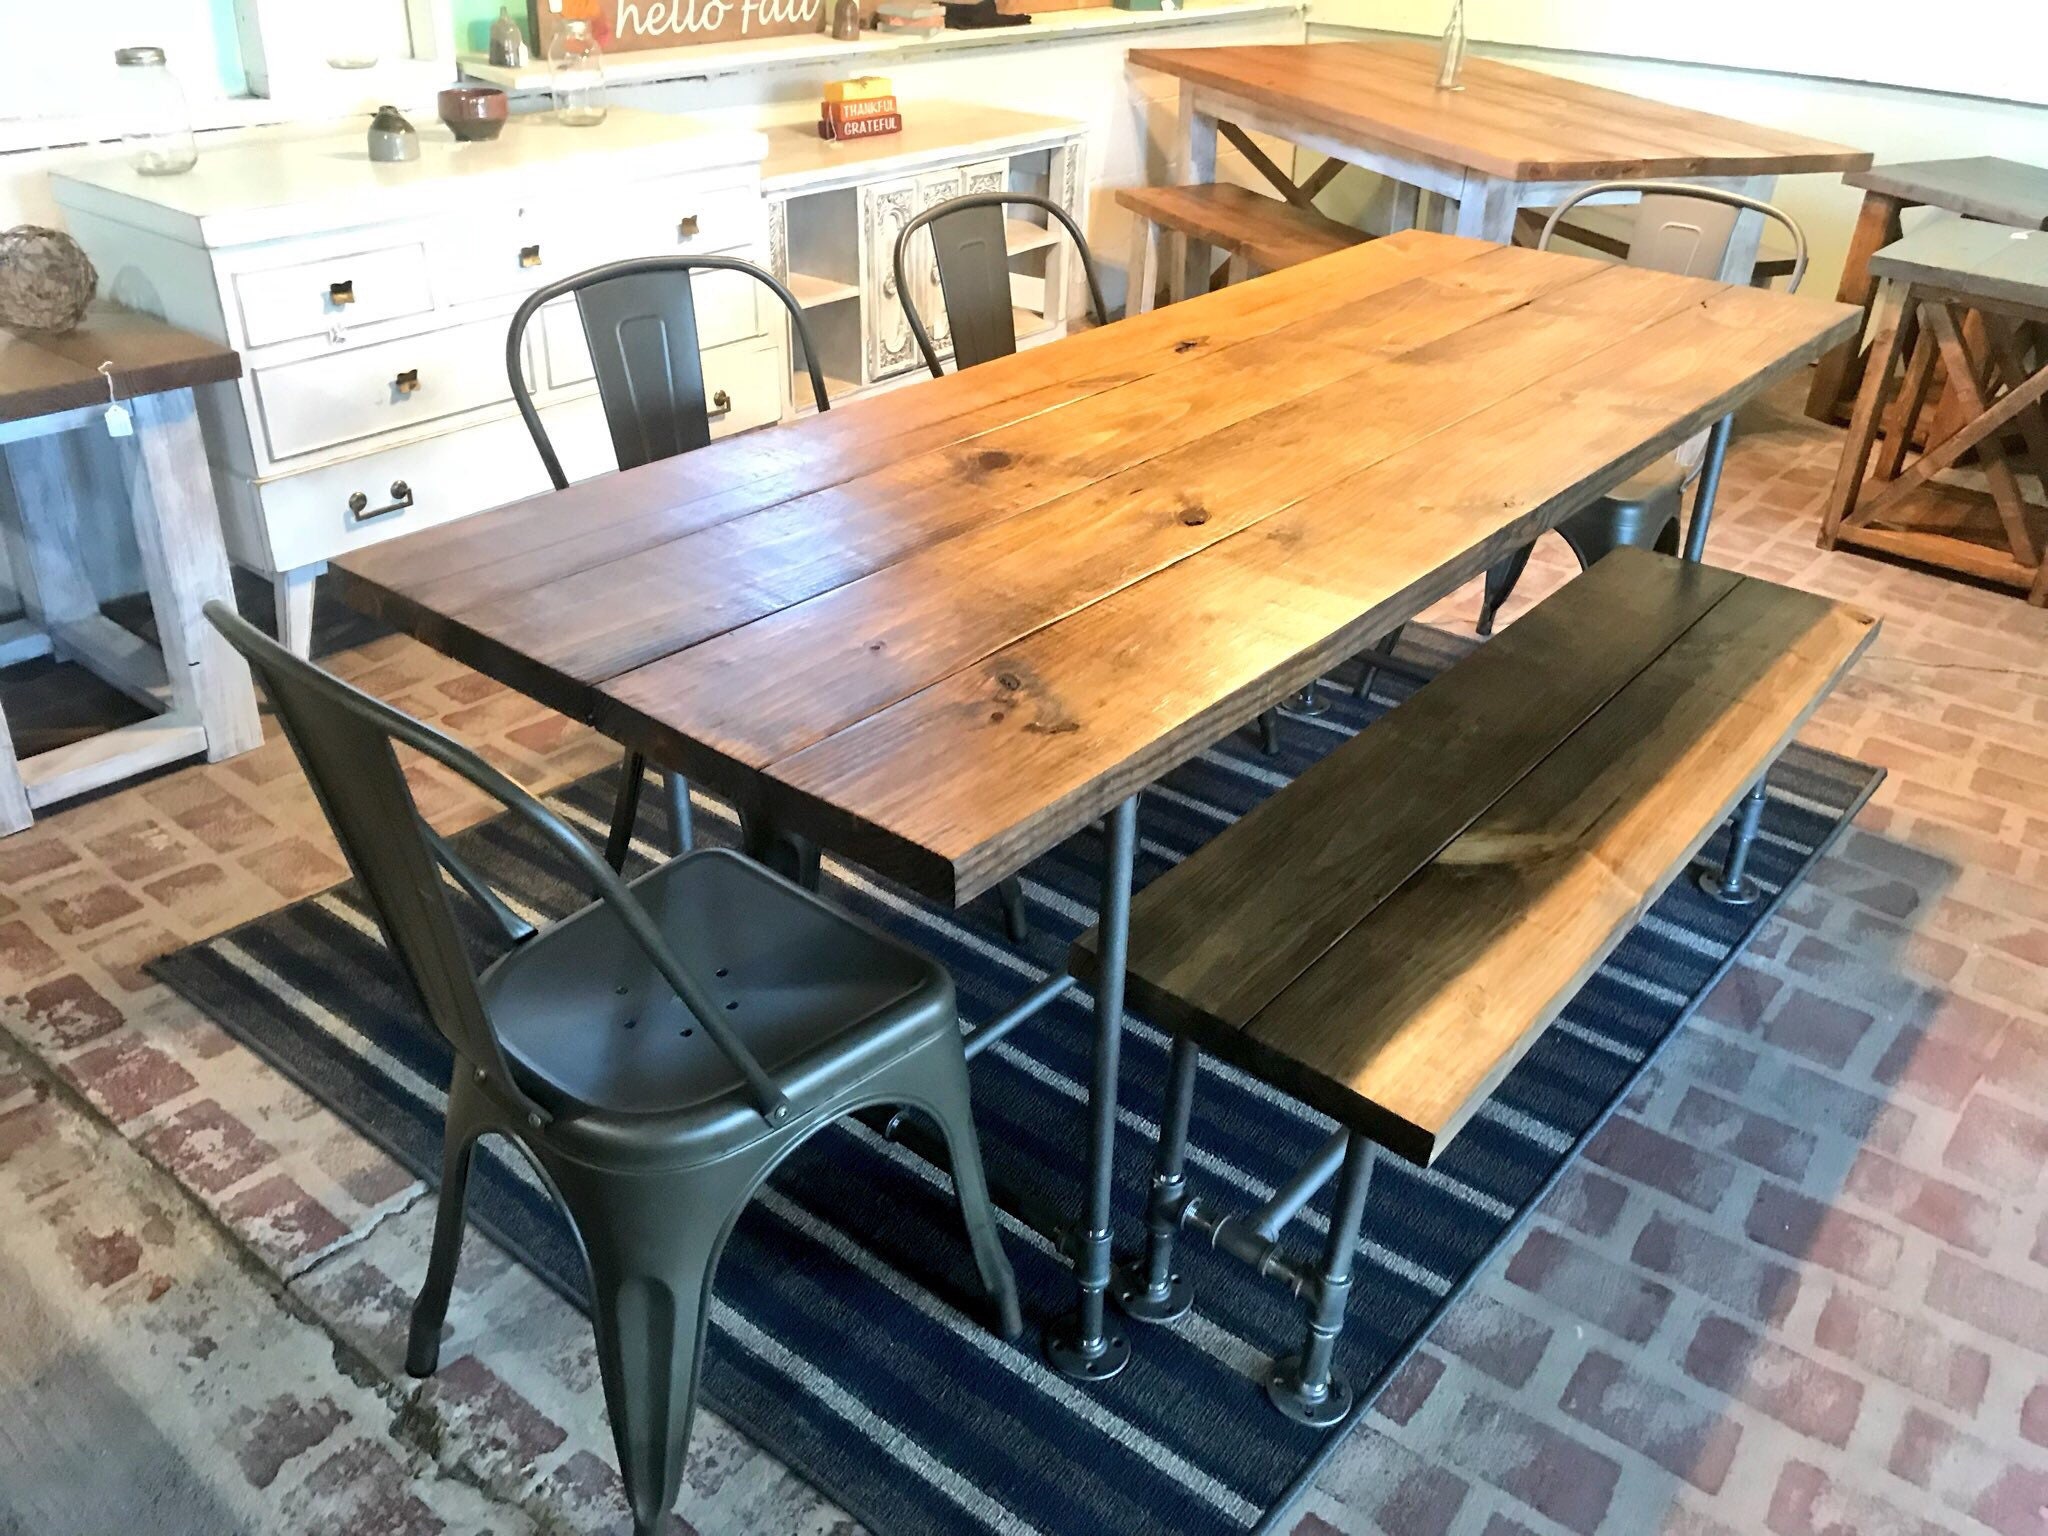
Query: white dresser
point(369, 303)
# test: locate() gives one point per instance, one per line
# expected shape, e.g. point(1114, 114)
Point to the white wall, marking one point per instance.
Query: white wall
point(1894, 124)
point(1964, 47)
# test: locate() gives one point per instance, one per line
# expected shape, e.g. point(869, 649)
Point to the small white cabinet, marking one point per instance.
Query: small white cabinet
point(370, 304)
point(836, 211)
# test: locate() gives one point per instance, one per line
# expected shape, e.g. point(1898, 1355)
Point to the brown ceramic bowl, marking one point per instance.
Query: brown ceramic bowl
point(474, 111)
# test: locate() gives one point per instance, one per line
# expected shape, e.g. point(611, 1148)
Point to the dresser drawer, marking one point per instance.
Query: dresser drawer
point(285, 303)
point(669, 217)
point(729, 309)
point(344, 396)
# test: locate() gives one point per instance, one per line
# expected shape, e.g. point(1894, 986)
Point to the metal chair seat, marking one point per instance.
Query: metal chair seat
point(600, 1040)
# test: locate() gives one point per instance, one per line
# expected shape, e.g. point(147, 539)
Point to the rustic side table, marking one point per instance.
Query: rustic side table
point(52, 388)
point(1983, 187)
point(1973, 297)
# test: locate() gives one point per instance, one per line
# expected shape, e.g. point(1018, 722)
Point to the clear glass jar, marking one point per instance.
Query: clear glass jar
point(157, 124)
point(576, 75)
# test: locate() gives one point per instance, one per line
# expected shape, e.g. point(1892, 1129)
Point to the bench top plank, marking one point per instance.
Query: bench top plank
point(1270, 232)
point(1217, 938)
point(1404, 1025)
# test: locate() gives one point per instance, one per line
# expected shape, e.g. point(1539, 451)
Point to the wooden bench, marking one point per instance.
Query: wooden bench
point(1525, 809)
point(1608, 229)
point(1261, 234)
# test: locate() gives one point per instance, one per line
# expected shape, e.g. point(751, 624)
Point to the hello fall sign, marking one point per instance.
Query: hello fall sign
point(629, 26)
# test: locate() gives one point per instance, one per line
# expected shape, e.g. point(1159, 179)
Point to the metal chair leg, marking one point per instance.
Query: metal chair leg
point(1153, 1291)
point(653, 1243)
point(948, 1101)
point(1269, 732)
point(1500, 582)
point(1016, 919)
point(1733, 886)
point(430, 1310)
point(1302, 1386)
point(682, 829)
point(625, 810)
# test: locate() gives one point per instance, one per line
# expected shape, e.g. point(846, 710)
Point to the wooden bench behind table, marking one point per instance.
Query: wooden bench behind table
point(1258, 233)
point(1529, 806)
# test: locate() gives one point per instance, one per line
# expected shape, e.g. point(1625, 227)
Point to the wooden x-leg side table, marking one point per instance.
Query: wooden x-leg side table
point(1974, 297)
point(1981, 187)
point(52, 390)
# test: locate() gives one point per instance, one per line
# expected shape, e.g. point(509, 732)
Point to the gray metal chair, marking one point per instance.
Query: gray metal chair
point(640, 321)
point(655, 1055)
point(973, 262)
point(1678, 228)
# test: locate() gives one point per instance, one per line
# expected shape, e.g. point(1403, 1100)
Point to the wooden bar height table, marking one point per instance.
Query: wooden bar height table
point(1509, 138)
point(943, 631)
point(52, 388)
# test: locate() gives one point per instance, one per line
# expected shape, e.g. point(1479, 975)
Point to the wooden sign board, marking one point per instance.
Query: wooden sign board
point(631, 26)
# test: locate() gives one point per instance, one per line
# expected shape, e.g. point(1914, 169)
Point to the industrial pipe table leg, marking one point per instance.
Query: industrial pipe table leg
point(1709, 488)
point(1302, 1386)
point(1734, 887)
point(1151, 1290)
point(1269, 732)
point(682, 827)
point(1088, 1345)
point(1307, 704)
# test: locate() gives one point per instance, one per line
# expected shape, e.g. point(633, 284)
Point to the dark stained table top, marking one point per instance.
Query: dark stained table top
point(940, 629)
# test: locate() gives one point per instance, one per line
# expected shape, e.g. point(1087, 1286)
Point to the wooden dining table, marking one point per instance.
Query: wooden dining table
point(943, 630)
point(1507, 138)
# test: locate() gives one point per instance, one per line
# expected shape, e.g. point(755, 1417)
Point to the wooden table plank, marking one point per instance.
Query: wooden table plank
point(599, 622)
point(1216, 939)
point(1970, 259)
point(612, 516)
point(877, 640)
point(42, 375)
point(1518, 124)
point(1978, 187)
point(1041, 737)
point(1539, 890)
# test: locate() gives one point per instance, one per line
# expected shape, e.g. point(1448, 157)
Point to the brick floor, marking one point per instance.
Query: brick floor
point(1799, 1286)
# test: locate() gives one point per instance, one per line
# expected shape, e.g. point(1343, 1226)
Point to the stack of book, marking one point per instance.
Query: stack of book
point(909, 16)
point(861, 108)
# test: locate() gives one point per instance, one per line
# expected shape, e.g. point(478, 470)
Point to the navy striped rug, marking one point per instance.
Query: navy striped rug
point(839, 1340)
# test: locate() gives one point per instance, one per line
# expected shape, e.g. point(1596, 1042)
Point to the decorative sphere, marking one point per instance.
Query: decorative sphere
point(46, 280)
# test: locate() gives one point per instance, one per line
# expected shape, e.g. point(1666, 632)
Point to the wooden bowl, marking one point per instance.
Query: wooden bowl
point(474, 111)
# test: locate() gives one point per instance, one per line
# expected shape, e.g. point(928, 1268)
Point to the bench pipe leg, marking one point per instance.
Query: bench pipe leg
point(1382, 648)
point(1303, 1386)
point(1088, 1345)
point(1709, 487)
point(1734, 887)
point(1151, 1290)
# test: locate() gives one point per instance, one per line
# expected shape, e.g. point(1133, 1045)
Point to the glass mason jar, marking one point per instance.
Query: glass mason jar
point(576, 75)
point(157, 125)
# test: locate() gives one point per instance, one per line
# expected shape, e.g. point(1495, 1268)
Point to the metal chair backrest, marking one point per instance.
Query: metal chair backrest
point(972, 258)
point(343, 739)
point(1684, 228)
point(640, 321)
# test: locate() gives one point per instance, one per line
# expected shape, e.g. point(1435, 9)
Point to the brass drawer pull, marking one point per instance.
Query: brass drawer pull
point(407, 383)
point(360, 510)
point(529, 256)
point(721, 404)
point(687, 229)
point(341, 293)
